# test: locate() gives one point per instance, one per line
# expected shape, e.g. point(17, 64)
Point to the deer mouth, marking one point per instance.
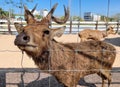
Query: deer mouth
point(25, 45)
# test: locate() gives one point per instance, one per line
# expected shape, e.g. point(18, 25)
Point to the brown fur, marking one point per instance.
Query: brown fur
point(90, 58)
point(67, 62)
point(88, 34)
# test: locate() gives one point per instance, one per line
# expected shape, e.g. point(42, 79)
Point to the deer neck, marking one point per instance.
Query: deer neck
point(104, 33)
point(43, 60)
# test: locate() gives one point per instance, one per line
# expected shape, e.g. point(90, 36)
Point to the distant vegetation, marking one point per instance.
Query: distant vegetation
point(116, 16)
point(3, 14)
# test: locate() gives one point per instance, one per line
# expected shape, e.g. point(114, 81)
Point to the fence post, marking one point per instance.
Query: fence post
point(106, 27)
point(117, 27)
point(78, 26)
point(2, 79)
point(9, 27)
point(96, 25)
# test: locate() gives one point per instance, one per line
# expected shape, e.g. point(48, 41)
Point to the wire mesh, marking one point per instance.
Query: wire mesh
point(37, 78)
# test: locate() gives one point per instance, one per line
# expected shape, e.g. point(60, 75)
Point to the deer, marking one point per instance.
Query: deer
point(89, 34)
point(68, 62)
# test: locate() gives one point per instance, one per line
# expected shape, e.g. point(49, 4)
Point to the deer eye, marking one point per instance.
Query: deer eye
point(46, 32)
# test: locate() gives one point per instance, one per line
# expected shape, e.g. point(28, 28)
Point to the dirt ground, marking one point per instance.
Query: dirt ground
point(11, 56)
point(12, 59)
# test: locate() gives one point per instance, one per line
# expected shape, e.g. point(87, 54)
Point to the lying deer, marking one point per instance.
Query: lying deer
point(88, 34)
point(67, 62)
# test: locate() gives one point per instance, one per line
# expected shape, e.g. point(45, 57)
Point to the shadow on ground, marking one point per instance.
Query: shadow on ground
point(52, 82)
point(114, 41)
point(45, 82)
point(82, 82)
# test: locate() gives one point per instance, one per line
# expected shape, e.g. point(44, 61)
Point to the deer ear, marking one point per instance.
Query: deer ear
point(18, 27)
point(57, 32)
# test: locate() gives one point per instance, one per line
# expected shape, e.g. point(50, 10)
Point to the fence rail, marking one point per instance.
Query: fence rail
point(76, 25)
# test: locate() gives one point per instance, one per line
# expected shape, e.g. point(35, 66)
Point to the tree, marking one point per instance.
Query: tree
point(116, 16)
point(74, 18)
point(3, 14)
point(77, 18)
point(105, 19)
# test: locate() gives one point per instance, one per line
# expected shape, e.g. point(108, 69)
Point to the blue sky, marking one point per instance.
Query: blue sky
point(95, 6)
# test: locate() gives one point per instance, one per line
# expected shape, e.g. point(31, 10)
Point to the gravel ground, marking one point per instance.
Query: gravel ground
point(33, 78)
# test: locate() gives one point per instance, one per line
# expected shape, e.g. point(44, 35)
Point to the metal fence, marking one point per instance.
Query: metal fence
point(32, 77)
point(75, 27)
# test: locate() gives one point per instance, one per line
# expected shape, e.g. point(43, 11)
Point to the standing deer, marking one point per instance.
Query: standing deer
point(88, 34)
point(67, 62)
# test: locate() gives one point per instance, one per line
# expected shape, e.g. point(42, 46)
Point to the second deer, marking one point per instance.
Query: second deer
point(88, 34)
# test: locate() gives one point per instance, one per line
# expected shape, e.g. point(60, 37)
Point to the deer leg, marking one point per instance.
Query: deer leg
point(103, 82)
point(109, 80)
point(103, 79)
point(105, 75)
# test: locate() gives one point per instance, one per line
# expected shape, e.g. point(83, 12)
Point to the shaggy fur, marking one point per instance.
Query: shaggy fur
point(74, 61)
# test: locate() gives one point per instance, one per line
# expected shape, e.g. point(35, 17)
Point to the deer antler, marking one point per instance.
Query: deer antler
point(62, 21)
point(46, 20)
point(50, 16)
point(34, 8)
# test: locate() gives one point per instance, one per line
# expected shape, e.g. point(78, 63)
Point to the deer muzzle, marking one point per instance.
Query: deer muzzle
point(22, 39)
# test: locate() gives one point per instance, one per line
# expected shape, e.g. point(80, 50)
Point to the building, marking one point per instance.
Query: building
point(44, 12)
point(20, 17)
point(89, 16)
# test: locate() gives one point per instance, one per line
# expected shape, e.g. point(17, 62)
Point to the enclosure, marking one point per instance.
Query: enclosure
point(18, 70)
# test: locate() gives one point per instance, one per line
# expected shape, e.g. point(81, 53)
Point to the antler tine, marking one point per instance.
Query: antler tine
point(25, 7)
point(48, 18)
point(29, 12)
point(29, 18)
point(62, 21)
point(51, 11)
point(34, 8)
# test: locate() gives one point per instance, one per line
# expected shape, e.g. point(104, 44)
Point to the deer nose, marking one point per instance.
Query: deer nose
point(25, 38)
point(22, 39)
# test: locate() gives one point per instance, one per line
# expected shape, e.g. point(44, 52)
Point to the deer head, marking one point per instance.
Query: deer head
point(36, 35)
point(110, 30)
